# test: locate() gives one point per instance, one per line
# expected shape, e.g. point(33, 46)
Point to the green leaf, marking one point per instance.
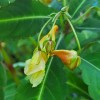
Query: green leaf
point(76, 86)
point(86, 38)
point(91, 48)
point(10, 91)
point(77, 6)
point(22, 18)
point(1, 93)
point(2, 76)
point(90, 24)
point(2, 81)
point(91, 73)
point(89, 13)
point(5, 2)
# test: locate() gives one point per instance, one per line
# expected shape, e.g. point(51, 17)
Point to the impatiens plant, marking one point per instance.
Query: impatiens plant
point(49, 50)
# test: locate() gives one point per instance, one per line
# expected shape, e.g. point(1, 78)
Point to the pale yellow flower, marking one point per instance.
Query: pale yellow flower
point(35, 67)
point(37, 78)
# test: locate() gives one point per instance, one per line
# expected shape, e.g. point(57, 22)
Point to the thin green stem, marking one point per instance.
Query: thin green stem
point(77, 8)
point(54, 20)
point(43, 29)
point(23, 18)
point(56, 17)
point(64, 2)
point(47, 71)
point(61, 21)
point(85, 15)
point(75, 34)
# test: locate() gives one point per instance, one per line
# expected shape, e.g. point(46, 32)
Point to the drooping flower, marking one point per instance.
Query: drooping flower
point(35, 67)
point(69, 57)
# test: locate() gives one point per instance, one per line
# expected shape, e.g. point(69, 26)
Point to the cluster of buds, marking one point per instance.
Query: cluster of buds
point(35, 67)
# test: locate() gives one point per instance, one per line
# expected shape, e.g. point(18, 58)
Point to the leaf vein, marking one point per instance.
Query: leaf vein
point(22, 18)
point(90, 64)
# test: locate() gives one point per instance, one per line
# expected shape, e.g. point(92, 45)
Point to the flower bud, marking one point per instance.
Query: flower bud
point(68, 57)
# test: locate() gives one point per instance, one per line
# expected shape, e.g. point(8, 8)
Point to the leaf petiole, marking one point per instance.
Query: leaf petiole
point(43, 29)
point(64, 2)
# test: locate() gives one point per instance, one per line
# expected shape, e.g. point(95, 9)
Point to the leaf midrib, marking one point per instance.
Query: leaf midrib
point(78, 88)
point(91, 64)
point(22, 18)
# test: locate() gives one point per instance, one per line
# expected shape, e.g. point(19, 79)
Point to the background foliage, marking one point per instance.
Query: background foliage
point(20, 23)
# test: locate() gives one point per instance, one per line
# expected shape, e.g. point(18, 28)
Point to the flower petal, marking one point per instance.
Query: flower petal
point(27, 65)
point(37, 78)
point(36, 64)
